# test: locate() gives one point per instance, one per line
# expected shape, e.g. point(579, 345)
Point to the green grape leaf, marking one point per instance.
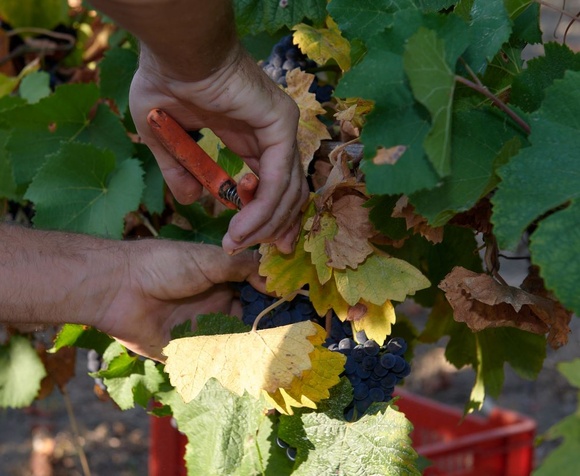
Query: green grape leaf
point(526, 29)
point(204, 228)
point(7, 183)
point(240, 442)
point(524, 351)
point(35, 86)
point(567, 454)
point(478, 139)
point(550, 167)
point(382, 207)
point(378, 443)
point(529, 87)
point(433, 83)
point(21, 372)
point(554, 246)
point(490, 29)
point(515, 8)
point(214, 324)
point(81, 336)
point(255, 16)
point(229, 161)
point(31, 13)
point(80, 188)
point(154, 193)
point(66, 115)
point(364, 19)
point(395, 119)
point(130, 380)
point(116, 72)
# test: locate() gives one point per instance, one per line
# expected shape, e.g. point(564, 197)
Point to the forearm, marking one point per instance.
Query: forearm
point(53, 278)
point(189, 39)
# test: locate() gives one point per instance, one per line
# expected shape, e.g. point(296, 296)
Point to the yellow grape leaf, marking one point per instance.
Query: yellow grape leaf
point(210, 143)
point(379, 278)
point(323, 44)
point(321, 231)
point(286, 273)
point(325, 297)
point(252, 361)
point(310, 130)
point(314, 384)
point(375, 320)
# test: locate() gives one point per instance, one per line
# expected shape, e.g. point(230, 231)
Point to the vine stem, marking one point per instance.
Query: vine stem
point(480, 88)
point(274, 305)
point(557, 9)
point(76, 432)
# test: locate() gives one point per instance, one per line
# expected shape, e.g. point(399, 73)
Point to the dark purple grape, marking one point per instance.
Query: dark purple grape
point(360, 391)
point(387, 361)
point(371, 347)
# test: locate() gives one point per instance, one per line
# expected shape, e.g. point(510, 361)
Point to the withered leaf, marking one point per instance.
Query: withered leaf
point(310, 129)
point(481, 302)
point(403, 209)
point(350, 245)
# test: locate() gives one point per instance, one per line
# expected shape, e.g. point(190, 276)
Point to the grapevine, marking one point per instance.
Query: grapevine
point(432, 149)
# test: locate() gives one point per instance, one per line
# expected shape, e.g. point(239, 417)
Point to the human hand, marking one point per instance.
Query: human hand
point(254, 118)
point(164, 283)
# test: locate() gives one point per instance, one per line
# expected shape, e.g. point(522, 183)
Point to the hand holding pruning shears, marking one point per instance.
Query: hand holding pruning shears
point(256, 120)
point(193, 158)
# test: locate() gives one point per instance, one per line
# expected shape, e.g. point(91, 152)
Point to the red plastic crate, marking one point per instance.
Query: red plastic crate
point(500, 444)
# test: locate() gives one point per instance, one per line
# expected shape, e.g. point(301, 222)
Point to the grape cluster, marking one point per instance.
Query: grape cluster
point(288, 312)
point(373, 370)
point(94, 364)
point(286, 56)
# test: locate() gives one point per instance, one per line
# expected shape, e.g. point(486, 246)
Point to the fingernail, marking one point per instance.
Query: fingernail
point(236, 251)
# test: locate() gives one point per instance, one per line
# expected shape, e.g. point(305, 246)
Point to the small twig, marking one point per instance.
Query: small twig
point(274, 305)
point(570, 26)
point(495, 100)
point(555, 33)
point(561, 10)
point(147, 224)
point(501, 255)
point(76, 433)
point(328, 322)
point(42, 31)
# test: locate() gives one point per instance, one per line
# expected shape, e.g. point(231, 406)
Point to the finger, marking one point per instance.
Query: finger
point(219, 267)
point(287, 242)
point(277, 205)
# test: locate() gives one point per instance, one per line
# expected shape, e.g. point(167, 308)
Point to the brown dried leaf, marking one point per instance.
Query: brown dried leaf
point(6, 68)
point(60, 368)
point(481, 302)
point(310, 130)
point(350, 245)
point(558, 335)
point(403, 209)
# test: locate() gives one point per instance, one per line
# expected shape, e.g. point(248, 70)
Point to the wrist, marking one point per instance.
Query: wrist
point(195, 70)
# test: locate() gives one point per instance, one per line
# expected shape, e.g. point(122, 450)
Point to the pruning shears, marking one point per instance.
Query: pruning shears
point(189, 154)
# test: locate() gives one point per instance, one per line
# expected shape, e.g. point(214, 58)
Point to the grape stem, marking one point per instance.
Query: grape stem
point(482, 89)
point(274, 305)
